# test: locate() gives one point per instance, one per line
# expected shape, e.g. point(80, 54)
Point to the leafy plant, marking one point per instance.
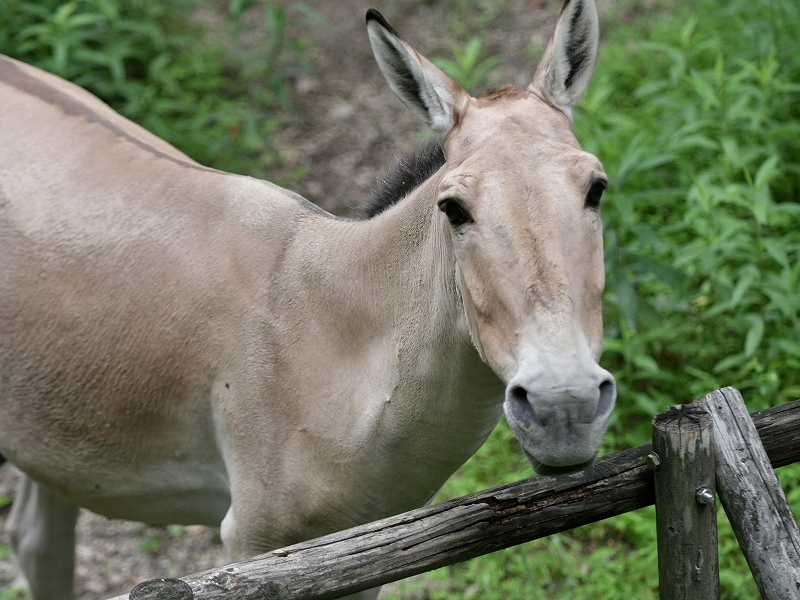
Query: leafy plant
point(215, 98)
point(465, 67)
point(697, 128)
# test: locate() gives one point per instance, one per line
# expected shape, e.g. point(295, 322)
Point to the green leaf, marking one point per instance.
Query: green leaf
point(672, 277)
point(63, 13)
point(472, 51)
point(448, 67)
point(729, 362)
point(790, 347)
point(755, 334)
point(776, 248)
point(150, 544)
point(84, 20)
point(646, 363)
point(627, 301)
point(766, 172)
point(748, 278)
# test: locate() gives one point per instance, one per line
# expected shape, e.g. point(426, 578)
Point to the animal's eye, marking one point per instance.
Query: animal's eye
point(455, 212)
point(595, 193)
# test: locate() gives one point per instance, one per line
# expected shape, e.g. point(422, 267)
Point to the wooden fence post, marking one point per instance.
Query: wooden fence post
point(686, 518)
point(753, 499)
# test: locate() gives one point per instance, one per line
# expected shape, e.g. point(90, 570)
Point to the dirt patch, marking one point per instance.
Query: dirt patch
point(348, 126)
point(112, 556)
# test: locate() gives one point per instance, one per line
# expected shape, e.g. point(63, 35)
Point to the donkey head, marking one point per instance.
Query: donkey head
point(520, 202)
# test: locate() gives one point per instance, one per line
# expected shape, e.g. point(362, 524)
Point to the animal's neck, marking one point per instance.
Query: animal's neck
point(430, 401)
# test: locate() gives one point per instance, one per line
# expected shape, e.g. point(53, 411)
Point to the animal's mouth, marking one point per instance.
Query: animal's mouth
point(543, 469)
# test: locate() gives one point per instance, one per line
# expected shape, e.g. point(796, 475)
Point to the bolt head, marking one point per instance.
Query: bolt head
point(653, 461)
point(704, 495)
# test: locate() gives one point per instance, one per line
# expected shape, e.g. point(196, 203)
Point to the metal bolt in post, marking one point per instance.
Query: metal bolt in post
point(653, 461)
point(704, 495)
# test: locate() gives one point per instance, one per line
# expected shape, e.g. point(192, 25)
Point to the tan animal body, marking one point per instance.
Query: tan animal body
point(182, 345)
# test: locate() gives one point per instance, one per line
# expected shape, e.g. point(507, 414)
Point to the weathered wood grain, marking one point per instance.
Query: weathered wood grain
point(686, 523)
point(162, 589)
point(779, 430)
point(435, 536)
point(753, 498)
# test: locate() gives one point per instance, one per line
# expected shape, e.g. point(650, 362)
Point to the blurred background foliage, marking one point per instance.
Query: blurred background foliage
point(693, 111)
point(696, 121)
point(199, 75)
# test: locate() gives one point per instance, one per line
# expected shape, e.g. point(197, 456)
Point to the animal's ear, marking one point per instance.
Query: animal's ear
point(429, 93)
point(569, 59)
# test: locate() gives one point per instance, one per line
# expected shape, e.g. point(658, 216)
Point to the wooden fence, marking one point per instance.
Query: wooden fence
point(683, 473)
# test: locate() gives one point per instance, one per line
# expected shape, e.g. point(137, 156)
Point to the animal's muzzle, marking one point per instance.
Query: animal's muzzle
point(561, 425)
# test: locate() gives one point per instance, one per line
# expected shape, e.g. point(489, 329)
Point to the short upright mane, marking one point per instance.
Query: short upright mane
point(408, 172)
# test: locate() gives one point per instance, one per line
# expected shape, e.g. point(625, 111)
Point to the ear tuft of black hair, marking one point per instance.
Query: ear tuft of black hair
point(374, 15)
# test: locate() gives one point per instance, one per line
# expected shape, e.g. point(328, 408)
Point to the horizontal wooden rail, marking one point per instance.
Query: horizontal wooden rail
point(442, 534)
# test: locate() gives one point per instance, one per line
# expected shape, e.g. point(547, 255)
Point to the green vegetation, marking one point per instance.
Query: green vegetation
point(695, 114)
point(215, 93)
point(16, 593)
point(698, 130)
point(5, 552)
point(465, 68)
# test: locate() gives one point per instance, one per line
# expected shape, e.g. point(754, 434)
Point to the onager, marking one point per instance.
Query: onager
point(183, 345)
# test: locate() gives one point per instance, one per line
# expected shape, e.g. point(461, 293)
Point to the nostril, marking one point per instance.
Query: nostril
point(520, 394)
point(520, 408)
point(608, 394)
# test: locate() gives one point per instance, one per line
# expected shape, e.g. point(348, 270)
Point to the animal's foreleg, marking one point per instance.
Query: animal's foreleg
point(42, 528)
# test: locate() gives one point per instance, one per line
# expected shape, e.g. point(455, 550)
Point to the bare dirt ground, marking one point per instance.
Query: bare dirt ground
point(348, 126)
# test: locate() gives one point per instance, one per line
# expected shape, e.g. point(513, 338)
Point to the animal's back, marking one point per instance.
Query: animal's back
point(127, 274)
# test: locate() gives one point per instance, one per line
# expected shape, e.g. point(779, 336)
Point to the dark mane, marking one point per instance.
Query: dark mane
point(408, 172)
point(507, 91)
